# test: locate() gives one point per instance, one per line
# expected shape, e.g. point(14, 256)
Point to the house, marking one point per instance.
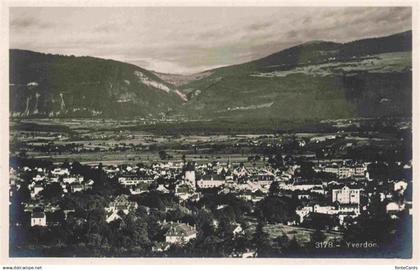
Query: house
point(346, 195)
point(121, 204)
point(210, 183)
point(38, 178)
point(89, 184)
point(133, 181)
point(73, 179)
point(76, 188)
point(325, 209)
point(163, 189)
point(303, 212)
point(60, 172)
point(36, 190)
point(38, 219)
point(184, 191)
point(349, 209)
point(346, 171)
point(111, 216)
point(394, 207)
point(400, 186)
point(180, 233)
point(318, 190)
point(238, 230)
point(303, 184)
point(303, 196)
point(240, 172)
point(160, 247)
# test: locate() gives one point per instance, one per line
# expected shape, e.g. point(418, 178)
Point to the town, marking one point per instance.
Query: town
point(290, 195)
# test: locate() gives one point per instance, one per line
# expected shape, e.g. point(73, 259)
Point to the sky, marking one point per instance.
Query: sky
point(185, 40)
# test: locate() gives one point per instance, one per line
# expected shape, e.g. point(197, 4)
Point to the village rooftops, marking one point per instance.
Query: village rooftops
point(348, 205)
point(302, 181)
point(212, 176)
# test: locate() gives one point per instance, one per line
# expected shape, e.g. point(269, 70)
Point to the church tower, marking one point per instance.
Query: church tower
point(189, 176)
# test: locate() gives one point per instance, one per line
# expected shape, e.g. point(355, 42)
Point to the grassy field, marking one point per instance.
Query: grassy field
point(386, 62)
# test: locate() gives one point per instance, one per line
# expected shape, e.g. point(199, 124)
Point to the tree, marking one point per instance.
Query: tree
point(316, 237)
point(274, 188)
point(306, 170)
point(163, 155)
point(276, 161)
point(281, 243)
point(52, 192)
point(261, 241)
point(276, 209)
point(293, 247)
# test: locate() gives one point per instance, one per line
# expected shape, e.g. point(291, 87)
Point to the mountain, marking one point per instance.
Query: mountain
point(68, 86)
point(315, 80)
point(312, 81)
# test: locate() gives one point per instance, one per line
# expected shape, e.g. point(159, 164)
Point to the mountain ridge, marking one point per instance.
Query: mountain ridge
point(322, 79)
point(57, 86)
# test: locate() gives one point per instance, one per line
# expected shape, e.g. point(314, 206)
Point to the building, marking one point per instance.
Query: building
point(133, 181)
point(120, 204)
point(400, 186)
point(303, 184)
point(180, 233)
point(346, 195)
point(303, 212)
point(325, 209)
point(60, 172)
point(346, 171)
point(349, 209)
point(76, 188)
point(38, 178)
point(210, 183)
point(38, 219)
point(394, 207)
point(36, 190)
point(73, 179)
point(189, 176)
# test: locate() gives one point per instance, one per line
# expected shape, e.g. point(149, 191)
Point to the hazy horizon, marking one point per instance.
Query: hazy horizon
point(191, 40)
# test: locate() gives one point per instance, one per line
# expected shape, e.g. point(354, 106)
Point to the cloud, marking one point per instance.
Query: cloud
point(193, 39)
point(22, 23)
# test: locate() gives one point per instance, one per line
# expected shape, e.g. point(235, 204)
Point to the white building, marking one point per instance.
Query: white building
point(210, 183)
point(190, 177)
point(180, 233)
point(326, 209)
point(346, 195)
point(60, 171)
point(73, 179)
point(394, 207)
point(303, 212)
point(400, 186)
point(36, 190)
point(38, 178)
point(133, 181)
point(38, 219)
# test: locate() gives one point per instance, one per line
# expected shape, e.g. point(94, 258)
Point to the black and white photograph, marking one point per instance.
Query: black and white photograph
point(235, 132)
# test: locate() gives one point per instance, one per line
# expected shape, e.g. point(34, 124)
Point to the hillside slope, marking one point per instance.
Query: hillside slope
point(315, 80)
point(68, 86)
